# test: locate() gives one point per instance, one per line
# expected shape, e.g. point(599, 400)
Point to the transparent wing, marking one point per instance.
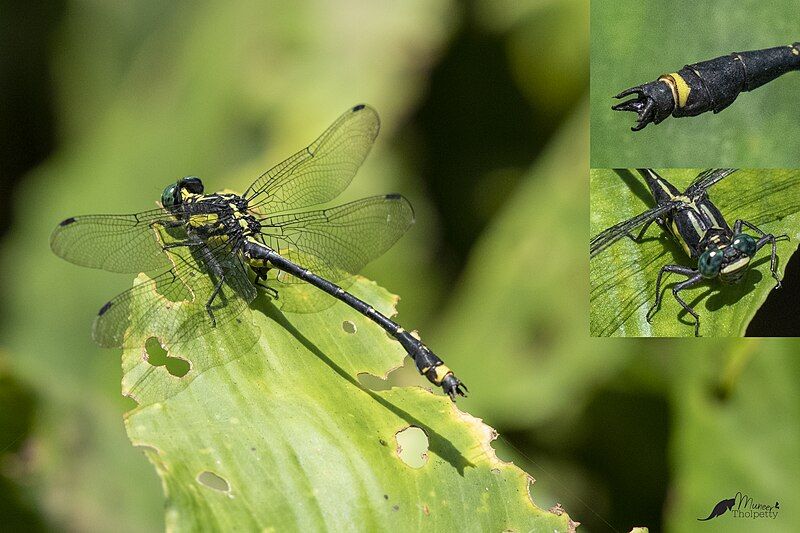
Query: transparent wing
point(117, 243)
point(706, 179)
point(338, 242)
point(609, 236)
point(172, 306)
point(320, 172)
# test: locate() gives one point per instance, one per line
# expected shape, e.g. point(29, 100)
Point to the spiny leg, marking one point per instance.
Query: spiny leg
point(694, 278)
point(691, 282)
point(180, 244)
point(216, 270)
point(640, 236)
point(764, 239)
point(261, 273)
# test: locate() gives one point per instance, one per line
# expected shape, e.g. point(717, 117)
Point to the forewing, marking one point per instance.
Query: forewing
point(116, 243)
point(706, 179)
point(320, 172)
point(338, 242)
point(609, 236)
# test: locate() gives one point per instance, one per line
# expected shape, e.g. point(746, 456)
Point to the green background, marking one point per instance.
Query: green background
point(636, 41)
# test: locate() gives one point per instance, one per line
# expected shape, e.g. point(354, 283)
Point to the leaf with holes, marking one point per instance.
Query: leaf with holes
point(623, 277)
point(282, 435)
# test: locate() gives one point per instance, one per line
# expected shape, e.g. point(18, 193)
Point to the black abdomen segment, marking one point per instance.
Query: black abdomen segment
point(709, 85)
point(428, 364)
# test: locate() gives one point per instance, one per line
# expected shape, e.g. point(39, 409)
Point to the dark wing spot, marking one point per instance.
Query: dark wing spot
point(67, 222)
point(393, 196)
point(359, 107)
point(105, 308)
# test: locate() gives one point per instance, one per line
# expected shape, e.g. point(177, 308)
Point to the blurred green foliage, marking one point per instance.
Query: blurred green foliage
point(636, 41)
point(623, 277)
point(485, 128)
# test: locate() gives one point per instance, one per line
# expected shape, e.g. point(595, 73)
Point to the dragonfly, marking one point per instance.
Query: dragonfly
point(691, 218)
point(215, 251)
point(709, 85)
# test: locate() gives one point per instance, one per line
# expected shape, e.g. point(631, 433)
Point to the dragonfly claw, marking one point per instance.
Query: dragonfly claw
point(652, 102)
point(452, 386)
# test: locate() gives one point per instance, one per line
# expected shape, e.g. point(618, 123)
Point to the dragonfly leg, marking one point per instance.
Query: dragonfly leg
point(211, 298)
point(171, 245)
point(261, 273)
point(217, 273)
point(693, 276)
point(691, 282)
point(764, 239)
point(640, 236)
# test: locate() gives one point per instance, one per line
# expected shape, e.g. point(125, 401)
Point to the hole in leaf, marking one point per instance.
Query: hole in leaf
point(177, 367)
point(349, 327)
point(158, 356)
point(412, 446)
point(402, 376)
point(213, 481)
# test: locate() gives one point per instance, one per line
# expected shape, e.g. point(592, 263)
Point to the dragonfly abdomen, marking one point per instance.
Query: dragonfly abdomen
point(428, 363)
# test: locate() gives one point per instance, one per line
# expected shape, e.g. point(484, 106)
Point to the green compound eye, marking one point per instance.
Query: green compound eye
point(168, 197)
point(710, 263)
point(745, 244)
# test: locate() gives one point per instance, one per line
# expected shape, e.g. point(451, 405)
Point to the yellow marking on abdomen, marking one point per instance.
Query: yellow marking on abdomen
point(441, 372)
point(680, 89)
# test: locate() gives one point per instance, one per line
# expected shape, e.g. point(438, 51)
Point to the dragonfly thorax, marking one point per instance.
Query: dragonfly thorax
point(210, 216)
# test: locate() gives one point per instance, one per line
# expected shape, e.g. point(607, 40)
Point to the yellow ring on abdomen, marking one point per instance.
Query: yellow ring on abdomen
point(681, 87)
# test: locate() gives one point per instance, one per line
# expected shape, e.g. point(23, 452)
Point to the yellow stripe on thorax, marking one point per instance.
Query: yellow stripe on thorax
point(204, 219)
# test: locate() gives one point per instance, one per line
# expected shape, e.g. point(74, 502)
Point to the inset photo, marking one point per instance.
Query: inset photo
point(677, 84)
point(694, 252)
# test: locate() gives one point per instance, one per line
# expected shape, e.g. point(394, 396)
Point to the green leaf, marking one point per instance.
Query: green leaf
point(623, 277)
point(635, 42)
point(282, 436)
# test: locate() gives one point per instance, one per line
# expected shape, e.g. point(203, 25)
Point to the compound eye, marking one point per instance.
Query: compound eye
point(169, 198)
point(745, 244)
point(710, 263)
point(192, 184)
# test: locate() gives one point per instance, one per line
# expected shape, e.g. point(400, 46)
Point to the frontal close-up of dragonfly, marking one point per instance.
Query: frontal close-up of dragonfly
point(712, 250)
point(239, 244)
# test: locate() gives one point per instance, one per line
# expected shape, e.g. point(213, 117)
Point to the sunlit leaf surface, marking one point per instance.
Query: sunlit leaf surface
point(283, 436)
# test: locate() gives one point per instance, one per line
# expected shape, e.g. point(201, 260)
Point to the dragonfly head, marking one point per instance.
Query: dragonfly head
point(730, 262)
point(177, 192)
